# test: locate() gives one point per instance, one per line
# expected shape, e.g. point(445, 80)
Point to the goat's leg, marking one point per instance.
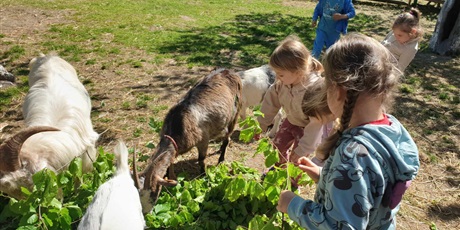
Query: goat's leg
point(202, 151)
point(223, 148)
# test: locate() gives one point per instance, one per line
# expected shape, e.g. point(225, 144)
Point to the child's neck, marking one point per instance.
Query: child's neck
point(367, 109)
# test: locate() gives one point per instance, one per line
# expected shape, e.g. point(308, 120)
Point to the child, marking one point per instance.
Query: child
point(314, 105)
point(334, 15)
point(295, 71)
point(403, 40)
point(371, 158)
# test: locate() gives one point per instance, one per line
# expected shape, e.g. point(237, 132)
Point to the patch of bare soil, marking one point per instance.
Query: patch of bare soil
point(118, 88)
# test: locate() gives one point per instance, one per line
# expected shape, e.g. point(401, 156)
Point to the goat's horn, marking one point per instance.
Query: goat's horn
point(9, 150)
point(137, 183)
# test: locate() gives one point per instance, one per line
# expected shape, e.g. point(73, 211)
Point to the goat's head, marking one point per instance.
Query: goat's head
point(10, 158)
point(153, 174)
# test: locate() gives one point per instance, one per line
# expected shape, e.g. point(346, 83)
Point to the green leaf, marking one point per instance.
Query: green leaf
point(186, 216)
point(150, 145)
point(256, 190)
point(160, 208)
point(236, 189)
point(74, 211)
point(246, 135)
point(257, 113)
point(56, 203)
point(222, 215)
point(264, 144)
point(273, 194)
point(47, 220)
point(199, 198)
point(28, 227)
point(25, 191)
point(63, 179)
point(193, 206)
point(242, 208)
point(32, 219)
point(64, 218)
point(76, 167)
point(186, 196)
point(271, 159)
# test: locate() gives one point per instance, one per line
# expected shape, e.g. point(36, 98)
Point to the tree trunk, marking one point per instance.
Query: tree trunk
point(446, 36)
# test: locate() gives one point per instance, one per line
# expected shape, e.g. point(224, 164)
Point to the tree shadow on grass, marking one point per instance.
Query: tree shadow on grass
point(428, 11)
point(448, 212)
point(247, 41)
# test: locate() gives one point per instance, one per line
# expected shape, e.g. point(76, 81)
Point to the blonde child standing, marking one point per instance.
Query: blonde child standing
point(295, 70)
point(371, 158)
point(403, 40)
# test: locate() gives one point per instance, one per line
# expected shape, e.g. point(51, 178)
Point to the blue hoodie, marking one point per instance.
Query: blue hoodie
point(341, 26)
point(356, 181)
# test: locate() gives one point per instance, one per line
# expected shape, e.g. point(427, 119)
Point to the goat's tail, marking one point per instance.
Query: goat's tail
point(121, 152)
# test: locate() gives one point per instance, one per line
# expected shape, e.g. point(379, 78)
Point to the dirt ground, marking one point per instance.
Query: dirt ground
point(432, 201)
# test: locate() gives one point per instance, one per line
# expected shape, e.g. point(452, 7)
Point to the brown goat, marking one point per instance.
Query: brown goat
point(207, 112)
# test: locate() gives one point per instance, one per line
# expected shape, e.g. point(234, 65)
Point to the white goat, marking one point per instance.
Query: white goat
point(116, 204)
point(57, 102)
point(256, 82)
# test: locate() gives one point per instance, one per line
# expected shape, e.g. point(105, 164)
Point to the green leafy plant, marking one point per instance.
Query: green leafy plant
point(250, 126)
point(57, 201)
point(228, 196)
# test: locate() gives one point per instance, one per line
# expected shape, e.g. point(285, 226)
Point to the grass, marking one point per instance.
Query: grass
point(192, 31)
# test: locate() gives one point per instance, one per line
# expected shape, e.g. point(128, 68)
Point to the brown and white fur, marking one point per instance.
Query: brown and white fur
point(209, 111)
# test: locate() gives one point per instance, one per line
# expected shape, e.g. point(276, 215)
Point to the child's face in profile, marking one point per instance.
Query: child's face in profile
point(327, 118)
point(401, 36)
point(335, 100)
point(289, 78)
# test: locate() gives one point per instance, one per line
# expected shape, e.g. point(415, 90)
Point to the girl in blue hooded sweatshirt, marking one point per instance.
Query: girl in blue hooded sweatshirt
point(371, 159)
point(333, 15)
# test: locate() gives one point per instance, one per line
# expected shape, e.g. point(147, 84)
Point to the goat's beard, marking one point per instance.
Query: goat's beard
point(149, 198)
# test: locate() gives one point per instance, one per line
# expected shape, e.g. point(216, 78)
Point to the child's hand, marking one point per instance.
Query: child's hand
point(285, 198)
point(313, 24)
point(293, 157)
point(310, 168)
point(338, 16)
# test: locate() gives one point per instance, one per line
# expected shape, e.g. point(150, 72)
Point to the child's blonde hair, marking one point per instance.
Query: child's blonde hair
point(409, 21)
point(359, 65)
point(314, 103)
point(292, 55)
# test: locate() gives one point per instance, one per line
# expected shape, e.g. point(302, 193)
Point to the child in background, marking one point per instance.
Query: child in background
point(403, 40)
point(371, 158)
point(334, 15)
point(295, 70)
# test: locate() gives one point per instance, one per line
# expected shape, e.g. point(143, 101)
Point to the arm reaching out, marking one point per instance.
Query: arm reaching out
point(310, 168)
